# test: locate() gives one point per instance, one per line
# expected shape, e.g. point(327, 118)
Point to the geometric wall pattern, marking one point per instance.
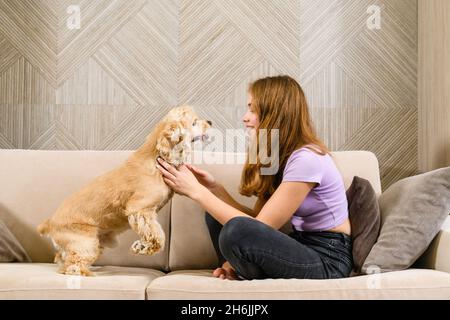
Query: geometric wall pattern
point(105, 85)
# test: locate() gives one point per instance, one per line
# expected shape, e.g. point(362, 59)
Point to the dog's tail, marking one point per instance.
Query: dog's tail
point(43, 228)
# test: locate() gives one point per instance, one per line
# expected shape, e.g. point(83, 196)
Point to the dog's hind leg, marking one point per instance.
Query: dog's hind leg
point(145, 224)
point(80, 254)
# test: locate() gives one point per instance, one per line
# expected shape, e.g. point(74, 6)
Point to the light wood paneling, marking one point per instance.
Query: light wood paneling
point(105, 85)
point(434, 84)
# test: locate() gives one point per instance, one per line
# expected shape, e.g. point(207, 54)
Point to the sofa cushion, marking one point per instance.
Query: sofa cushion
point(407, 284)
point(41, 281)
point(413, 211)
point(436, 257)
point(364, 215)
point(35, 182)
point(10, 248)
point(190, 244)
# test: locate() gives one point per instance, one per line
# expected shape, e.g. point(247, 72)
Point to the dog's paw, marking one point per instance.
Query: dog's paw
point(76, 270)
point(140, 247)
point(73, 270)
point(137, 247)
point(146, 248)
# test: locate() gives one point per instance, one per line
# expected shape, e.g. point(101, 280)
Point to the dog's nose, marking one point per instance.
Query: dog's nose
point(209, 122)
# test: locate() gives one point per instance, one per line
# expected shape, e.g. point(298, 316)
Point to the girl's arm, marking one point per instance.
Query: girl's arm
point(208, 180)
point(220, 192)
point(275, 212)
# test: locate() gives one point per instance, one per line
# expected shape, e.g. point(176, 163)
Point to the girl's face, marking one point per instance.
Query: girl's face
point(250, 119)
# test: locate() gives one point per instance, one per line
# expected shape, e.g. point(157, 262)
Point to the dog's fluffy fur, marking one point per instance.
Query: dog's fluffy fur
point(129, 196)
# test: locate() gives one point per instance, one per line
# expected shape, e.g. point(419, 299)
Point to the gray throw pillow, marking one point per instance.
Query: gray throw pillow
point(365, 221)
point(10, 248)
point(412, 213)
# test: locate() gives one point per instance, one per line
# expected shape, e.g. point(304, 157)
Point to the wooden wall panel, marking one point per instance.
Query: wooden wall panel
point(434, 84)
point(105, 85)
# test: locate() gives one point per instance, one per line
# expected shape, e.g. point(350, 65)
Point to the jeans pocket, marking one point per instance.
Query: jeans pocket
point(336, 269)
point(345, 265)
point(341, 256)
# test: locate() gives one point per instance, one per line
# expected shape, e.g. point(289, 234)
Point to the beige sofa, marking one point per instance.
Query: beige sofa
point(33, 184)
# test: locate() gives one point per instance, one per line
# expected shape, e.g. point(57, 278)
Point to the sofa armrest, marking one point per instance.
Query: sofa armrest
point(437, 256)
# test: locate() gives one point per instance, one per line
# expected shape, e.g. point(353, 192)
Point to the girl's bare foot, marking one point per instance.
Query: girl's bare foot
point(225, 272)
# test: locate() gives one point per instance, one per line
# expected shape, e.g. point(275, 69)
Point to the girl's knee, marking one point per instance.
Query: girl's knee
point(234, 232)
point(236, 226)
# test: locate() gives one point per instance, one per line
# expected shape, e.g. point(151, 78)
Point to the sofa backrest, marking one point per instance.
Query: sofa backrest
point(34, 183)
point(190, 244)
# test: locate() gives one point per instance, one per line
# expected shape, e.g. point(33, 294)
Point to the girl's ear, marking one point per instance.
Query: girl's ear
point(171, 134)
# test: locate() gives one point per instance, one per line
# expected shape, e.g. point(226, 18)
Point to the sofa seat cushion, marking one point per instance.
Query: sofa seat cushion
point(405, 284)
point(41, 281)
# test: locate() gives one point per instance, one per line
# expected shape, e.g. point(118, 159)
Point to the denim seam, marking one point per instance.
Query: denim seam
point(247, 251)
point(339, 257)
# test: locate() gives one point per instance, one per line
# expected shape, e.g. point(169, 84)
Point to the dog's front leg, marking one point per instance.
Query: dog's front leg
point(145, 224)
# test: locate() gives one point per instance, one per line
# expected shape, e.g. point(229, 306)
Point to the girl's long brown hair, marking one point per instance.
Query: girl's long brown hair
point(280, 104)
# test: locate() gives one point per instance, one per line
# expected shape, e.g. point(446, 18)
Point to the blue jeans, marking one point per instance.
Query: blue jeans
point(257, 251)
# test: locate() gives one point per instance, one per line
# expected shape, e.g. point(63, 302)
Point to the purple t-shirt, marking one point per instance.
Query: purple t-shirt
point(325, 206)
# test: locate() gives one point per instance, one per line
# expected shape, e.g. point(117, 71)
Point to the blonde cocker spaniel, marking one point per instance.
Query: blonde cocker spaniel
point(128, 196)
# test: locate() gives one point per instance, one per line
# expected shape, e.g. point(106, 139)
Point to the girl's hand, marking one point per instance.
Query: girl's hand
point(181, 180)
point(204, 177)
point(225, 272)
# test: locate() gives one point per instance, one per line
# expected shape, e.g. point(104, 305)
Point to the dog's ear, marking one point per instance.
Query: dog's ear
point(171, 135)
